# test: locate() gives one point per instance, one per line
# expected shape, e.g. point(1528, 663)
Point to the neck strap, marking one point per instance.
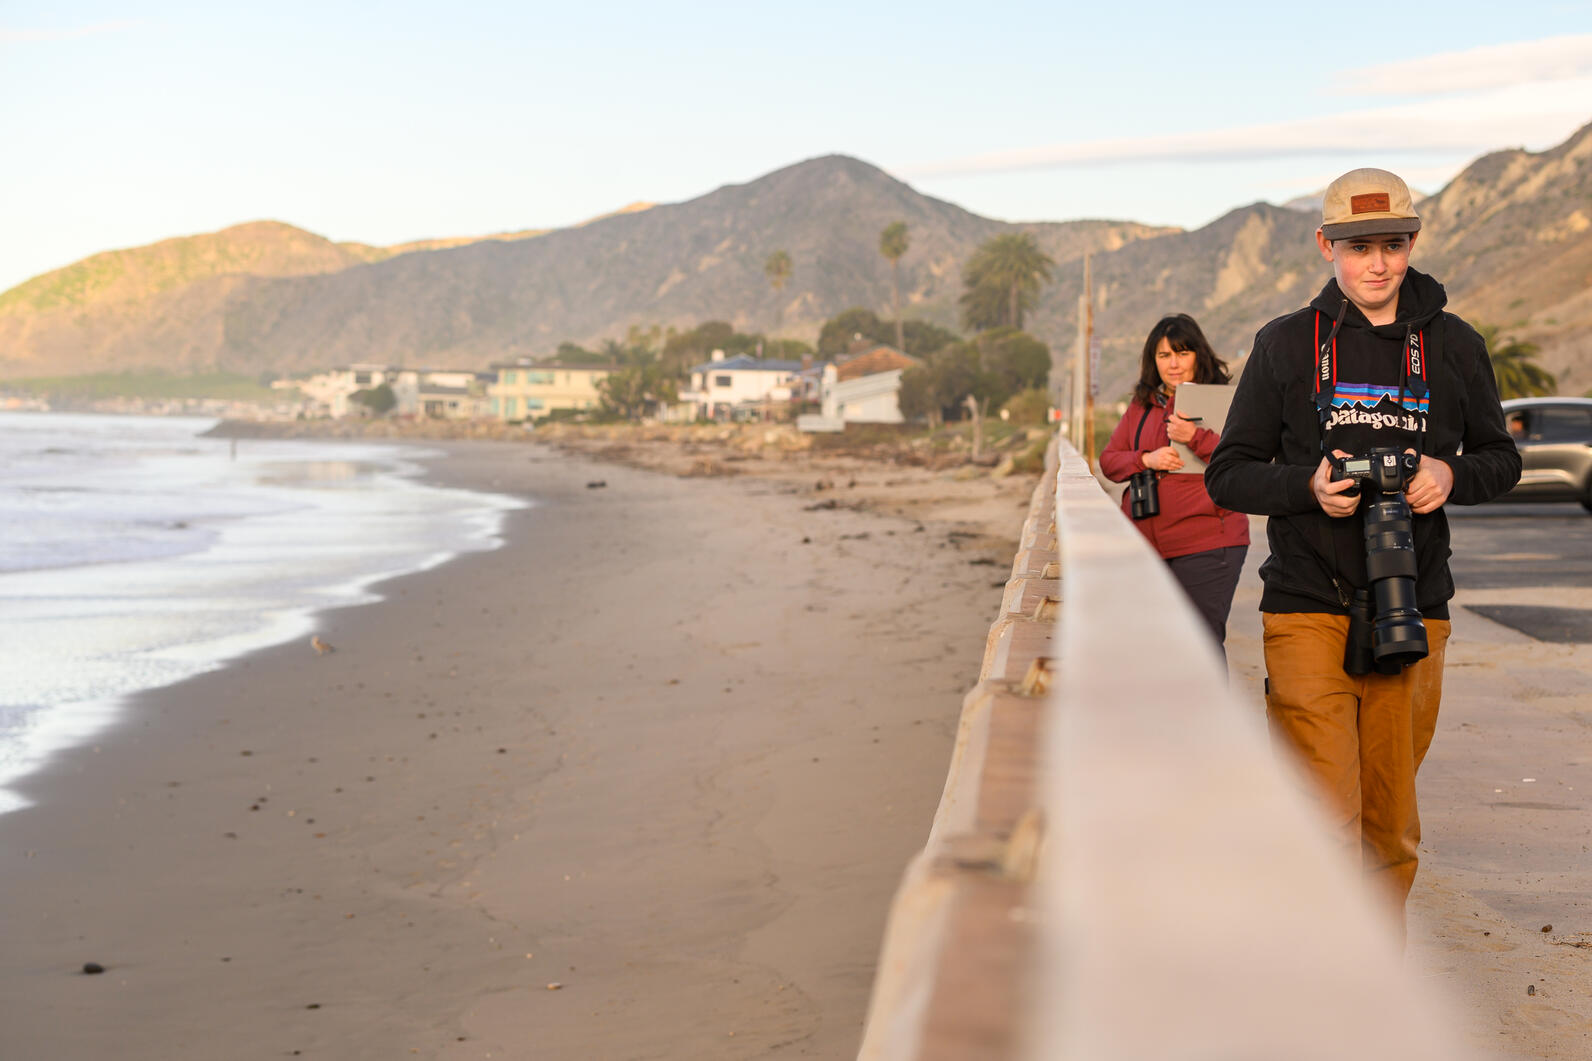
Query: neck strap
point(1412, 377)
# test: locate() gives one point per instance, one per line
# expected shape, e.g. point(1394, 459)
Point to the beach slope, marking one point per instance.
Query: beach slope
point(638, 784)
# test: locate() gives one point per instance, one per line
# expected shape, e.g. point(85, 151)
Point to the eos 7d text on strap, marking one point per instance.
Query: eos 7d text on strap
point(1412, 380)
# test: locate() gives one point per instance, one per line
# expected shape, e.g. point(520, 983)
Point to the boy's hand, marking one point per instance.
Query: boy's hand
point(1430, 486)
point(1329, 494)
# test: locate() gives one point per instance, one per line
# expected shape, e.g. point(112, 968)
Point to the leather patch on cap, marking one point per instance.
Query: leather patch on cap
point(1369, 203)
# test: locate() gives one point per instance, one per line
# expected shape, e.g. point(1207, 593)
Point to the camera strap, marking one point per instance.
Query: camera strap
point(1137, 434)
point(1412, 376)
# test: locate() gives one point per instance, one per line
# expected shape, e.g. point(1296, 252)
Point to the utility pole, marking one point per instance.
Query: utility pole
point(1081, 408)
point(1093, 368)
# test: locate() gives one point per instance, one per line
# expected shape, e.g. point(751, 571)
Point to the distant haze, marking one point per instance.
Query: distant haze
point(1507, 237)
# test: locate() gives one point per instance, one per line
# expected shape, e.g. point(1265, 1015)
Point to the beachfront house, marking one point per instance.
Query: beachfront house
point(723, 385)
point(328, 393)
point(433, 393)
point(443, 394)
point(531, 390)
point(863, 389)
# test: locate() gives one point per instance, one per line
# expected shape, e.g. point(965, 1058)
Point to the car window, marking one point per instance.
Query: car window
point(1563, 424)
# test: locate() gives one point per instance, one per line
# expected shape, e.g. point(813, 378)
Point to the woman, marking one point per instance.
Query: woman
point(1202, 544)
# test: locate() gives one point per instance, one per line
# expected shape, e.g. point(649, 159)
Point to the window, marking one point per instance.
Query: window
point(721, 381)
point(362, 378)
point(542, 378)
point(508, 377)
point(1562, 423)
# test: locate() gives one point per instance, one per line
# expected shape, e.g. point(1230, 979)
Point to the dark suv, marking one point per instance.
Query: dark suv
point(1554, 436)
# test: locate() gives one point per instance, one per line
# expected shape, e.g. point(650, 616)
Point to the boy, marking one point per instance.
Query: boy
point(1373, 363)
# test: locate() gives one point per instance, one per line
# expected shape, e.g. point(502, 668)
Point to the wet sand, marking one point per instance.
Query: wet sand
point(639, 784)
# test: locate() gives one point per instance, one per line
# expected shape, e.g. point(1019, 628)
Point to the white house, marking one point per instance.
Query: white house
point(327, 393)
point(864, 389)
point(426, 392)
point(723, 383)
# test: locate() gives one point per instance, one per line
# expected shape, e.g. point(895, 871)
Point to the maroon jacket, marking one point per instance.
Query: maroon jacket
point(1189, 521)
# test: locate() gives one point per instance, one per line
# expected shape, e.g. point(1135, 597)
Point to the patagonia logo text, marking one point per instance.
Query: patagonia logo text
point(1376, 420)
point(1369, 203)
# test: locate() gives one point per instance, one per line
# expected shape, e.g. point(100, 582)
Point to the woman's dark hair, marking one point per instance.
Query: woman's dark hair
point(1181, 332)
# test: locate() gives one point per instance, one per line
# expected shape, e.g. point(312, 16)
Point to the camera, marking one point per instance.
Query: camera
point(1144, 494)
point(1385, 627)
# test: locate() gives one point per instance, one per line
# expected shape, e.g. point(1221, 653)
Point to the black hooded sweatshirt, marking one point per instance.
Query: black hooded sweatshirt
point(1271, 444)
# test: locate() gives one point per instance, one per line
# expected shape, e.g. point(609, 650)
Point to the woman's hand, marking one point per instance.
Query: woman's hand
point(1180, 430)
point(1164, 459)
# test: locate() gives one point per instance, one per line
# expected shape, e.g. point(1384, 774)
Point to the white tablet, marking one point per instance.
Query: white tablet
point(1208, 402)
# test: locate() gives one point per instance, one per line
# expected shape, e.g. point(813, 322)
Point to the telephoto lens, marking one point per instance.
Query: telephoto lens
point(1357, 657)
point(1398, 634)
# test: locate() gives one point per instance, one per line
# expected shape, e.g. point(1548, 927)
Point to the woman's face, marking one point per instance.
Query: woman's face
point(1175, 366)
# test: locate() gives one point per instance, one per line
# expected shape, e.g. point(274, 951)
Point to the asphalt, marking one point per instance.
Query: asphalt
point(1545, 548)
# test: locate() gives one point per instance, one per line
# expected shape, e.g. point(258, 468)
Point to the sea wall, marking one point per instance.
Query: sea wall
point(1120, 868)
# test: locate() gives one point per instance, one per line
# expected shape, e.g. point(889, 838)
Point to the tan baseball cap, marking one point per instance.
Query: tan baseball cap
point(1367, 202)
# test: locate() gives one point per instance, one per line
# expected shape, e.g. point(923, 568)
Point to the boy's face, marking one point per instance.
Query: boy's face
point(1370, 270)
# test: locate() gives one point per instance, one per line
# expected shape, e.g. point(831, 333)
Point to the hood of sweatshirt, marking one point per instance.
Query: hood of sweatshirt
point(1421, 299)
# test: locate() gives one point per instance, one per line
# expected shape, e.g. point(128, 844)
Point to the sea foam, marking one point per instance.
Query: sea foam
point(135, 553)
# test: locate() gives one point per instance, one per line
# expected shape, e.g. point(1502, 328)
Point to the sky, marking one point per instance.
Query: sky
point(123, 123)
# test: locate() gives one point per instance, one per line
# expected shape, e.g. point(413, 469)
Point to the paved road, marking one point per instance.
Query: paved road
point(1500, 546)
point(1543, 551)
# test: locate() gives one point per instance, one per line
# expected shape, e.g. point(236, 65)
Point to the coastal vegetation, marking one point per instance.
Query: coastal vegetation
point(1003, 279)
point(1514, 366)
point(919, 338)
point(149, 385)
point(893, 243)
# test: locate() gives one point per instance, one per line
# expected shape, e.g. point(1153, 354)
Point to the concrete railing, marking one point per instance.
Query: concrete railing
point(1119, 868)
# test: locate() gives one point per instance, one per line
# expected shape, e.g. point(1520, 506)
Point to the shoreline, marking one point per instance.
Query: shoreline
point(230, 557)
point(643, 764)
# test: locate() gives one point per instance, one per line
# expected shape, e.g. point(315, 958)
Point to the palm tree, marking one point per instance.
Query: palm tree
point(1011, 265)
point(1517, 374)
point(777, 269)
point(893, 244)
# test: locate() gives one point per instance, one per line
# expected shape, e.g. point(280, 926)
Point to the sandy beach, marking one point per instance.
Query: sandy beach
point(642, 782)
point(639, 784)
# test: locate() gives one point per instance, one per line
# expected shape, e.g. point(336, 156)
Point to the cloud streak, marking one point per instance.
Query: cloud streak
point(1488, 67)
point(36, 36)
point(1535, 114)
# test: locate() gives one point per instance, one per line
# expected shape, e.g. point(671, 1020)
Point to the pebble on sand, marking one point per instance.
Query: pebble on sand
point(92, 968)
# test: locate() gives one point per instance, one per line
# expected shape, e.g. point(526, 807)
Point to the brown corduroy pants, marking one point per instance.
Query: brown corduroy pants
point(1360, 738)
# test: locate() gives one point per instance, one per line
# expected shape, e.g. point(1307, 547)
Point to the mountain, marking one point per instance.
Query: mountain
point(1507, 237)
point(673, 265)
point(467, 305)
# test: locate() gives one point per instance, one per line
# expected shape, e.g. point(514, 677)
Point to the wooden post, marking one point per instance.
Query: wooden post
point(1089, 366)
point(1080, 368)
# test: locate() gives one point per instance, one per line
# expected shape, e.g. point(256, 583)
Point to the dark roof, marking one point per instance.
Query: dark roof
point(562, 366)
point(747, 363)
